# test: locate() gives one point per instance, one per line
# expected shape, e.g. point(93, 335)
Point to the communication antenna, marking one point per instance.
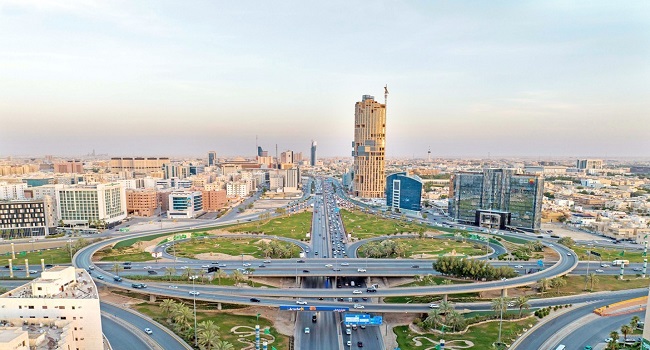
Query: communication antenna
point(429, 155)
point(385, 94)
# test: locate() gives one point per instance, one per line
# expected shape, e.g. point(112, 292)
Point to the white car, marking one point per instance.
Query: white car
point(184, 267)
point(306, 330)
point(361, 270)
point(600, 270)
point(356, 291)
point(147, 267)
point(246, 264)
point(301, 302)
point(519, 266)
point(148, 331)
point(345, 264)
point(604, 265)
point(205, 266)
point(173, 287)
point(359, 306)
point(267, 261)
point(194, 292)
point(328, 265)
point(433, 306)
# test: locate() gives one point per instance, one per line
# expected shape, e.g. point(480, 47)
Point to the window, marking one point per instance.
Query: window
point(44, 307)
point(31, 307)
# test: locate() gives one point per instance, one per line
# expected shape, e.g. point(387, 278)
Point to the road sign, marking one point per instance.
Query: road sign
point(540, 262)
point(314, 308)
point(362, 319)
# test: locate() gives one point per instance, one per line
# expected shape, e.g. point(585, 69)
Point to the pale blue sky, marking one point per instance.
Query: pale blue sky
point(531, 78)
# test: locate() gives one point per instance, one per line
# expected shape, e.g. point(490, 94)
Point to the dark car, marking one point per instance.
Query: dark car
point(300, 261)
point(255, 300)
point(360, 344)
point(152, 272)
point(371, 290)
point(305, 271)
point(415, 266)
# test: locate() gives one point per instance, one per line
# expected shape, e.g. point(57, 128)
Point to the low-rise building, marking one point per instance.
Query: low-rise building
point(141, 202)
point(185, 204)
point(214, 200)
point(61, 310)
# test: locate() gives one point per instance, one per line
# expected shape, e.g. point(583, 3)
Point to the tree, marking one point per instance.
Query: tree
point(625, 330)
point(522, 303)
point(544, 284)
point(221, 274)
point(238, 276)
point(223, 345)
point(455, 320)
point(170, 271)
point(593, 279)
point(117, 268)
point(434, 318)
point(500, 305)
point(557, 283)
point(567, 241)
point(445, 307)
point(613, 344)
point(182, 316)
point(167, 306)
point(634, 322)
point(207, 334)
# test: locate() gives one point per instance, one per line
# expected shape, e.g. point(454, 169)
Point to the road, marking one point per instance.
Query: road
point(120, 337)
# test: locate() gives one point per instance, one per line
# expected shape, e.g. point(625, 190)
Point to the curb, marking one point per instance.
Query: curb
point(165, 329)
point(135, 331)
point(543, 322)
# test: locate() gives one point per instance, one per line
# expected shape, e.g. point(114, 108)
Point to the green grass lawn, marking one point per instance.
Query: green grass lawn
point(576, 284)
point(423, 299)
point(51, 256)
point(609, 255)
point(227, 322)
point(482, 336)
point(362, 225)
point(131, 241)
point(183, 280)
point(294, 226)
point(226, 245)
point(433, 247)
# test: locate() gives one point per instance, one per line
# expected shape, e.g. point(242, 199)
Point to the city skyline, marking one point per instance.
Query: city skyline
point(466, 80)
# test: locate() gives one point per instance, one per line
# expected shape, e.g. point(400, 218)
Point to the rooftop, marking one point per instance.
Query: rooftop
point(57, 282)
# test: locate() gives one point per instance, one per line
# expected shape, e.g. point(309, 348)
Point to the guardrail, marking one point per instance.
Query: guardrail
point(151, 344)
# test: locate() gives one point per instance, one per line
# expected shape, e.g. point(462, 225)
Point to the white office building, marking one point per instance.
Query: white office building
point(12, 190)
point(81, 204)
point(59, 310)
point(185, 204)
point(237, 189)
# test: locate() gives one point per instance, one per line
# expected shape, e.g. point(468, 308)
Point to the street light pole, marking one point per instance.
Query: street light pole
point(501, 320)
point(196, 340)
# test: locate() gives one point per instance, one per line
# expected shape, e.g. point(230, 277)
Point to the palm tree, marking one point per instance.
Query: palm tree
point(445, 307)
point(182, 316)
point(634, 322)
point(170, 271)
point(625, 330)
point(544, 284)
point(522, 303)
point(221, 274)
point(593, 279)
point(202, 274)
point(557, 283)
point(188, 273)
point(433, 319)
point(238, 276)
point(500, 305)
point(455, 320)
point(117, 268)
point(613, 344)
point(167, 306)
point(208, 334)
point(223, 345)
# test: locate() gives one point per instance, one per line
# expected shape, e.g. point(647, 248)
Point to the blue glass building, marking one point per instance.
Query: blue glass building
point(403, 192)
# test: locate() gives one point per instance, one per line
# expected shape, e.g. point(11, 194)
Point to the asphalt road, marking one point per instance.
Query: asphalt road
point(120, 337)
point(595, 332)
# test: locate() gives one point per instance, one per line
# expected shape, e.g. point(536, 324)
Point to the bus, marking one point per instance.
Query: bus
point(618, 262)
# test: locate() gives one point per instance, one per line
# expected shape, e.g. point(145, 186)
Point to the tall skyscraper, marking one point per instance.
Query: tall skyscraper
point(212, 158)
point(312, 161)
point(369, 148)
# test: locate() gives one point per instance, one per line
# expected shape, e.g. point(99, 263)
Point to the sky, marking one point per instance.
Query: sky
point(466, 78)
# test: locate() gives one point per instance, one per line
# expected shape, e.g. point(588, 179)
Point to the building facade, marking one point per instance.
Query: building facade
point(98, 203)
point(25, 218)
point(497, 198)
point(138, 165)
point(369, 148)
point(212, 158)
point(64, 297)
point(214, 200)
point(141, 203)
point(403, 192)
point(12, 190)
point(69, 167)
point(312, 160)
point(589, 164)
point(185, 204)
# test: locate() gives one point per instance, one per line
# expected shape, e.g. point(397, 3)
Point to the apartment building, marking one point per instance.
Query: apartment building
point(141, 202)
point(81, 204)
point(214, 200)
point(138, 165)
point(69, 167)
point(59, 310)
point(12, 190)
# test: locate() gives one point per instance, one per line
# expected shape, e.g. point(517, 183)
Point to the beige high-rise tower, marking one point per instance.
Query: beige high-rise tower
point(369, 148)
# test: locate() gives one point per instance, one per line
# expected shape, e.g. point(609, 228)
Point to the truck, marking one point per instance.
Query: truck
point(619, 262)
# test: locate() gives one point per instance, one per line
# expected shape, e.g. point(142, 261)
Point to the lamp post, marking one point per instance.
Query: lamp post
point(196, 340)
point(502, 301)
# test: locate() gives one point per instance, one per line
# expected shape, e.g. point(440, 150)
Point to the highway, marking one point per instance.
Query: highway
point(121, 337)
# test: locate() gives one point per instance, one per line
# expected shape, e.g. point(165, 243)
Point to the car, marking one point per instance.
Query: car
point(348, 332)
point(360, 344)
point(33, 271)
point(371, 290)
point(511, 304)
point(600, 270)
point(345, 264)
point(415, 266)
point(173, 287)
point(356, 291)
point(328, 265)
point(349, 342)
point(147, 268)
point(215, 263)
point(300, 261)
point(306, 330)
point(359, 306)
point(336, 269)
point(117, 278)
point(361, 270)
point(246, 264)
point(519, 266)
point(364, 299)
point(255, 300)
point(91, 267)
point(152, 272)
point(100, 277)
point(433, 306)
point(637, 269)
point(608, 340)
point(267, 261)
point(184, 267)
point(205, 266)
point(587, 347)
point(305, 271)
point(363, 326)
point(301, 302)
point(604, 265)
point(568, 254)
point(194, 292)
point(148, 331)
point(50, 265)
point(316, 253)
point(261, 265)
